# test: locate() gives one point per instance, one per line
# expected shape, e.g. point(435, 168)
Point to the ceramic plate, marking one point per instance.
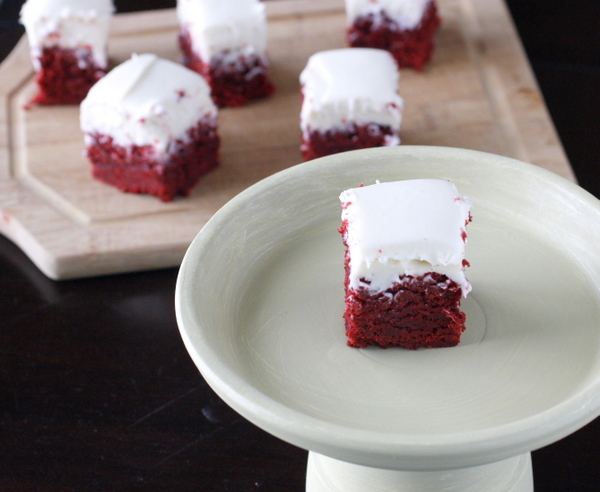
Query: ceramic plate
point(260, 302)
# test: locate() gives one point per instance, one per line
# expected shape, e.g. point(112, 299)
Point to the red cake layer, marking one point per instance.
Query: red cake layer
point(138, 169)
point(319, 144)
point(412, 48)
point(417, 312)
point(65, 76)
point(232, 83)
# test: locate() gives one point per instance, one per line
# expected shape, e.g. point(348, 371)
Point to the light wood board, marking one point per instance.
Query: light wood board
point(478, 93)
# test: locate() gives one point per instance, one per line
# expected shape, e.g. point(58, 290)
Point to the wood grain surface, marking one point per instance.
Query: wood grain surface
point(477, 93)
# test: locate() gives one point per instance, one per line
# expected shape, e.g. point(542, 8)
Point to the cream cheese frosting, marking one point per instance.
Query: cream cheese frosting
point(406, 13)
point(410, 227)
point(146, 100)
point(217, 26)
point(349, 85)
point(68, 24)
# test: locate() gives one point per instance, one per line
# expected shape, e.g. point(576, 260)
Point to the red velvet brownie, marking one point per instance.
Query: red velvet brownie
point(404, 264)
point(349, 101)
point(225, 42)
point(405, 28)
point(68, 40)
point(150, 127)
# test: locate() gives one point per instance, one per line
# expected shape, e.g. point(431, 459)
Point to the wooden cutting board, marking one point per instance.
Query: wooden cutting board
point(477, 93)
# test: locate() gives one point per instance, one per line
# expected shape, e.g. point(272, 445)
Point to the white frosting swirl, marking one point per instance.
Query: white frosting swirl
point(216, 26)
point(350, 85)
point(68, 24)
point(147, 100)
point(410, 227)
point(406, 13)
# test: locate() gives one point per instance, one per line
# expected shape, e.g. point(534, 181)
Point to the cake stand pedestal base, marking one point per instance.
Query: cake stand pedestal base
point(326, 474)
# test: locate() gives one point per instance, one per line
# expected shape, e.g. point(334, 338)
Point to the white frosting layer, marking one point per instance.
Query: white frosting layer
point(147, 101)
point(410, 227)
point(216, 26)
point(69, 24)
point(350, 85)
point(407, 13)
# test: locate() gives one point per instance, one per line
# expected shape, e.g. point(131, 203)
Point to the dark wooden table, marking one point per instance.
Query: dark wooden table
point(97, 391)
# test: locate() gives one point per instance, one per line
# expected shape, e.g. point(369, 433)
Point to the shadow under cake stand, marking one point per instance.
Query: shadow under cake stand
point(259, 303)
